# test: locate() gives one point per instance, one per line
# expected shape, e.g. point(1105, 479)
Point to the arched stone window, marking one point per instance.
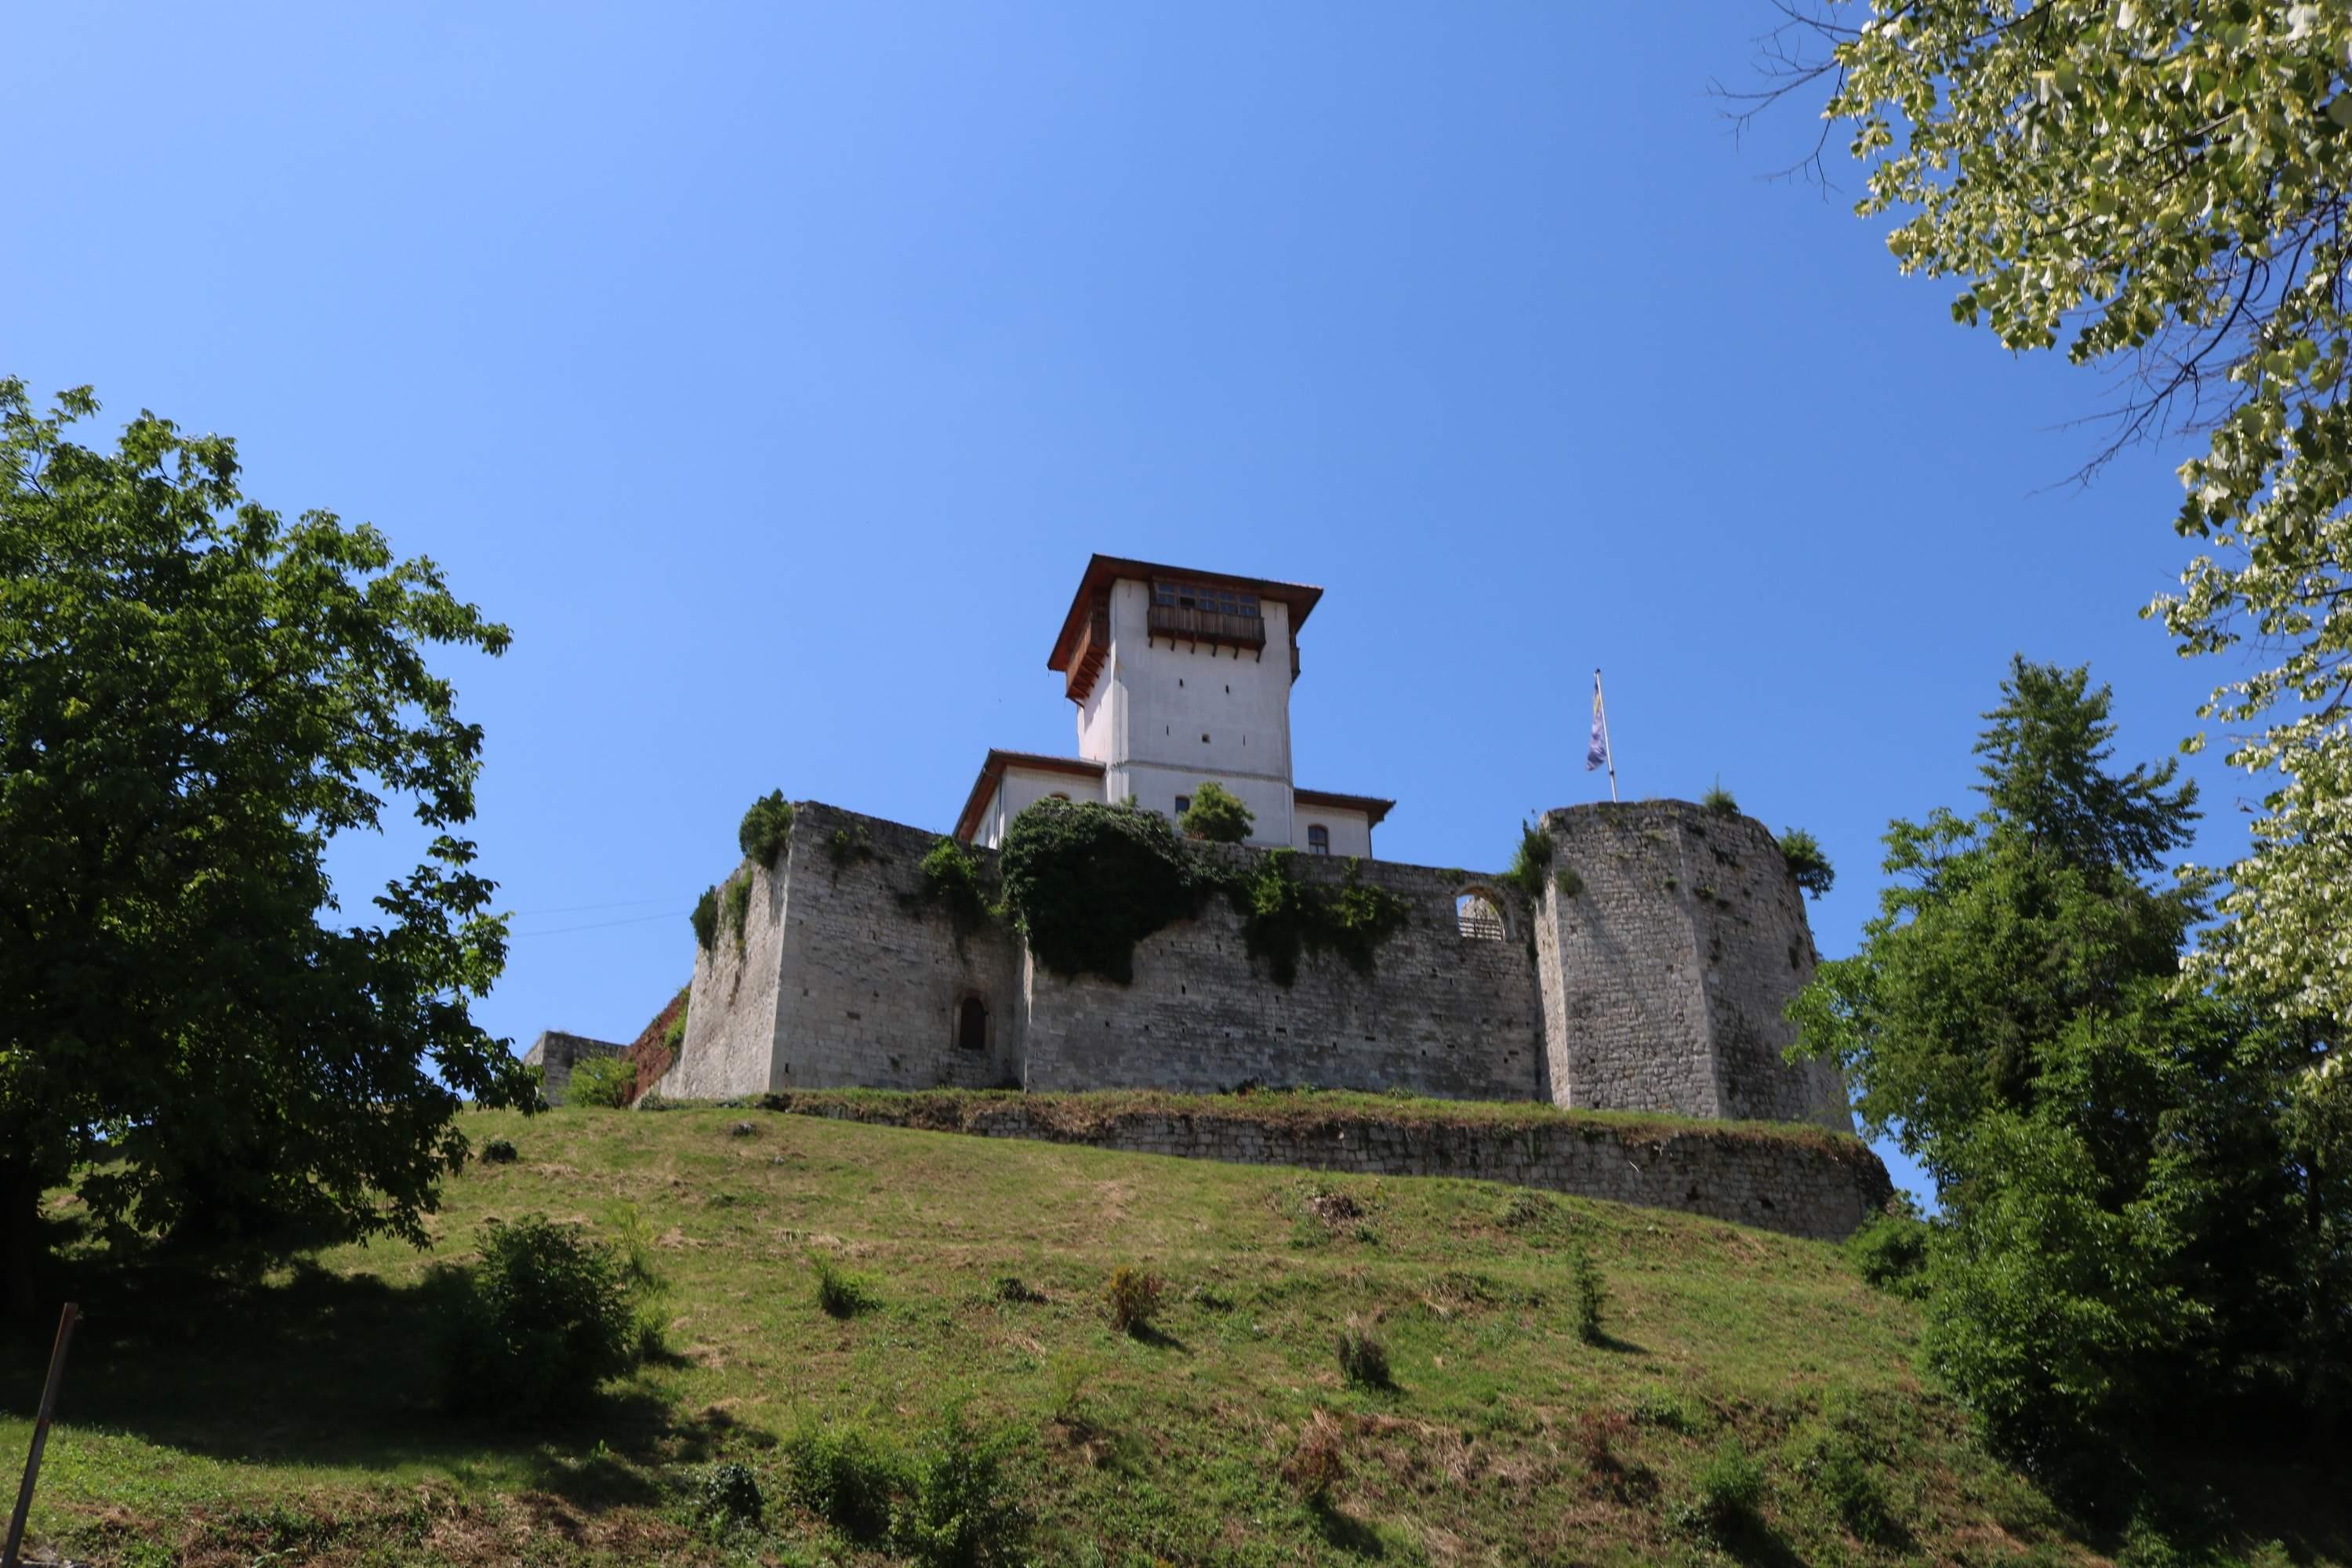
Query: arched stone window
point(971, 1024)
point(1480, 917)
point(1318, 838)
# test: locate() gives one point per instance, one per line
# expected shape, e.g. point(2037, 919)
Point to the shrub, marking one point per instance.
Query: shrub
point(1890, 1252)
point(1568, 881)
point(839, 1292)
point(1318, 1464)
point(605, 1082)
point(1591, 1295)
point(767, 829)
point(1014, 1290)
point(845, 1476)
point(1806, 863)
point(1531, 861)
point(1363, 1360)
point(1718, 800)
point(727, 1495)
point(1134, 1297)
point(1216, 814)
point(738, 897)
point(1730, 1485)
point(951, 878)
point(499, 1152)
point(1663, 1409)
point(540, 1321)
point(1846, 1479)
point(706, 919)
point(961, 1511)
point(1088, 881)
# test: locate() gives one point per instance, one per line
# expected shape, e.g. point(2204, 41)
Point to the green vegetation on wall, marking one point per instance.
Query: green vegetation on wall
point(738, 903)
point(1216, 814)
point(1806, 862)
point(1281, 915)
point(1530, 862)
point(1719, 800)
point(706, 919)
point(767, 828)
point(952, 878)
point(1086, 882)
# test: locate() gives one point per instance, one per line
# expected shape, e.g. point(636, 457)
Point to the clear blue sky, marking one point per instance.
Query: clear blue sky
point(772, 370)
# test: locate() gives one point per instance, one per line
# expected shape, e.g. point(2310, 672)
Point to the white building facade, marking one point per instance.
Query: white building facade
point(1180, 678)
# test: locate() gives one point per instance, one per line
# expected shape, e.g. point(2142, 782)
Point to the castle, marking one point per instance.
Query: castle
point(1649, 975)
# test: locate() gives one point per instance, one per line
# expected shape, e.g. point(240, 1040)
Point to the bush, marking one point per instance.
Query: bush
point(729, 1495)
point(1568, 881)
point(1088, 881)
point(1806, 863)
point(706, 919)
point(1530, 862)
point(1134, 1297)
point(961, 1513)
point(843, 1475)
point(1730, 1485)
point(1591, 1295)
point(609, 1082)
point(1318, 1464)
point(499, 1152)
point(840, 1293)
point(535, 1324)
point(1014, 1290)
point(1718, 800)
point(1363, 1360)
point(1890, 1252)
point(674, 1038)
point(1217, 816)
point(767, 829)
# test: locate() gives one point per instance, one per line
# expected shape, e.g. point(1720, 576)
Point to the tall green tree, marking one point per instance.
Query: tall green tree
point(2161, 186)
point(2140, 1214)
point(196, 697)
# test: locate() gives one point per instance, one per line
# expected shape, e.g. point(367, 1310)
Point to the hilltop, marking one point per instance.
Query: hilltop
point(210, 1419)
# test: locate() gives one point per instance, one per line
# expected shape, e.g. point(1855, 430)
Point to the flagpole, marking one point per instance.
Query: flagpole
point(1602, 702)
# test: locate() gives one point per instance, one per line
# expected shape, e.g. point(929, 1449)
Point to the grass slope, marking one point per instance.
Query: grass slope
point(292, 1416)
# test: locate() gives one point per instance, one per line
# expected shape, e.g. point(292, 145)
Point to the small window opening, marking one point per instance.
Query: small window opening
point(1183, 803)
point(1059, 796)
point(1318, 838)
point(971, 1024)
point(1479, 919)
point(1204, 739)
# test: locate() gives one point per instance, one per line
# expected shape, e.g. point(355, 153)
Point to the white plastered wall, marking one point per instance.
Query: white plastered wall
point(1351, 831)
point(1022, 788)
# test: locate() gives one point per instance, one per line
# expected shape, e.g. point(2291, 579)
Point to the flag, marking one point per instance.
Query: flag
point(1596, 750)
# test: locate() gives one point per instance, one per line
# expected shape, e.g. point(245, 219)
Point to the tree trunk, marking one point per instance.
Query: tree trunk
point(20, 1240)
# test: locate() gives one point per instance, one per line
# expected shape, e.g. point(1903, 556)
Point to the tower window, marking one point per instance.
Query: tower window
point(1183, 803)
point(971, 1024)
point(1318, 838)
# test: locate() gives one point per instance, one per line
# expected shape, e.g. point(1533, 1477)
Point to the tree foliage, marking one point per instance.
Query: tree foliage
point(1217, 815)
point(766, 830)
point(2161, 185)
point(196, 697)
point(2140, 1217)
point(1809, 865)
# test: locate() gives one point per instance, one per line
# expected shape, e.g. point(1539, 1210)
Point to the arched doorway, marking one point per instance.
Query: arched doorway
point(1479, 917)
point(971, 1024)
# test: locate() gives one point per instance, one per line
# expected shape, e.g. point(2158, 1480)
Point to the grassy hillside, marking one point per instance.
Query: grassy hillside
point(210, 1420)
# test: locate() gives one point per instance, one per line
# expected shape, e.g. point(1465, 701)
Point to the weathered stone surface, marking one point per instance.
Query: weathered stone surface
point(1799, 1185)
point(1651, 976)
point(555, 1052)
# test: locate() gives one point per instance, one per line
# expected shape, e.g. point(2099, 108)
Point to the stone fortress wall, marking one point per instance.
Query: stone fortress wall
point(1649, 977)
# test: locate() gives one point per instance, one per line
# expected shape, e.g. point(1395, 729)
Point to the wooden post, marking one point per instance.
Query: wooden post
point(40, 1435)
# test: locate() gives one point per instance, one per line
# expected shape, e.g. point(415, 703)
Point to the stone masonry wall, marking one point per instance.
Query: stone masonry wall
point(1806, 1186)
point(875, 974)
point(1665, 970)
point(1440, 1014)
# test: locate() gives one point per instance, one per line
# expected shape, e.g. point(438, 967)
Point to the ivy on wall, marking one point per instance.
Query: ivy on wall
point(1088, 881)
point(1085, 882)
point(1282, 916)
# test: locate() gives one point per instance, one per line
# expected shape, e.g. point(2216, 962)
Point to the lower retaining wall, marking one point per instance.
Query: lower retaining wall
point(1819, 1185)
